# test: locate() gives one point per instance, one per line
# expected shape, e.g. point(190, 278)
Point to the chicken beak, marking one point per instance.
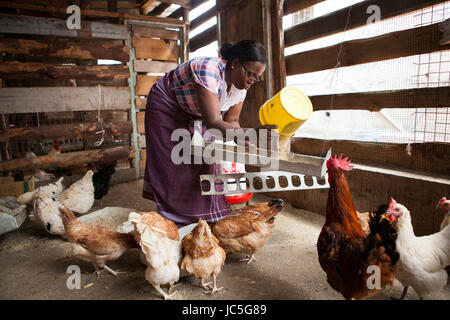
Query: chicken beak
point(390, 216)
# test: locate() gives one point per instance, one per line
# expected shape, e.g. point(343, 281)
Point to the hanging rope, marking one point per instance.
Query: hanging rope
point(335, 74)
point(100, 120)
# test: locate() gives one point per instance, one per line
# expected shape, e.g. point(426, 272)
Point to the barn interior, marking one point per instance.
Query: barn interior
point(73, 99)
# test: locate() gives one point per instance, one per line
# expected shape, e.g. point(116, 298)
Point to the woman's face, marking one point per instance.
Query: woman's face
point(244, 74)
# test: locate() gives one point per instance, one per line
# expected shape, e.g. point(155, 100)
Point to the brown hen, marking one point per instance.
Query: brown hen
point(248, 230)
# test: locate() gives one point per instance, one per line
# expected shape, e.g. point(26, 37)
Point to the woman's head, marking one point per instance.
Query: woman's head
point(246, 62)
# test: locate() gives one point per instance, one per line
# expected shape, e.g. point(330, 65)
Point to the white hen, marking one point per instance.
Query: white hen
point(163, 256)
point(47, 213)
point(51, 190)
point(79, 197)
point(444, 205)
point(422, 259)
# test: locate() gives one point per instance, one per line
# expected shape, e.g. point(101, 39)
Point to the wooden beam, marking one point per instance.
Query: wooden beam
point(141, 103)
point(209, 14)
point(144, 84)
point(203, 39)
point(159, 9)
point(277, 47)
point(89, 13)
point(80, 130)
point(432, 158)
point(179, 12)
point(153, 32)
point(336, 21)
point(398, 44)
point(153, 66)
point(30, 70)
point(104, 5)
point(444, 29)
point(140, 120)
point(291, 6)
point(66, 49)
point(19, 24)
point(438, 97)
point(147, 48)
point(183, 3)
point(147, 6)
point(27, 100)
point(71, 159)
point(112, 6)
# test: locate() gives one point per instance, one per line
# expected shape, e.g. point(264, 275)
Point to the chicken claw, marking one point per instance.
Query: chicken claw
point(165, 295)
point(249, 259)
point(114, 273)
point(212, 289)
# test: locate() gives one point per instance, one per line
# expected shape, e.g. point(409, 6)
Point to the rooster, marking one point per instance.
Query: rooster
point(101, 180)
point(248, 229)
point(345, 253)
point(422, 259)
point(203, 257)
point(55, 149)
point(95, 244)
point(444, 205)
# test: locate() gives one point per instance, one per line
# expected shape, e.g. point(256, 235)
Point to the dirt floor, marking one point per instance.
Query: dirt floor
point(33, 264)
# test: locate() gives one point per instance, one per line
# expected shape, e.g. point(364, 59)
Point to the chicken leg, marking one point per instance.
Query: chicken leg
point(249, 259)
point(212, 289)
point(165, 295)
point(404, 293)
point(114, 273)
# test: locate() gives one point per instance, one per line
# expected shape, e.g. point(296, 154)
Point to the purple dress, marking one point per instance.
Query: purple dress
point(175, 188)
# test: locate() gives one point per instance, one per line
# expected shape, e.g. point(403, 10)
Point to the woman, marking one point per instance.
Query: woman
point(208, 89)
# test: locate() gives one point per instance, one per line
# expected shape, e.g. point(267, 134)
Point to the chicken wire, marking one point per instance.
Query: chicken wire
point(399, 125)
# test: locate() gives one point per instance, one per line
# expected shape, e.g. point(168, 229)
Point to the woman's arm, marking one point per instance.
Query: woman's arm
point(210, 108)
point(232, 115)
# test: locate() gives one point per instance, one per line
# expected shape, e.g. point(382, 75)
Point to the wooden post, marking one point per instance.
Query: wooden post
point(277, 52)
point(185, 40)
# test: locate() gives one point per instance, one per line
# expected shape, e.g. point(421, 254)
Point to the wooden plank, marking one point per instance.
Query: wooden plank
point(67, 49)
point(80, 130)
point(154, 66)
point(147, 6)
point(26, 100)
point(144, 84)
point(203, 39)
point(159, 9)
point(444, 29)
point(433, 158)
point(374, 186)
point(104, 5)
point(88, 13)
point(141, 141)
point(141, 103)
point(336, 21)
point(179, 12)
point(438, 97)
point(387, 46)
point(209, 14)
point(142, 31)
point(19, 24)
point(140, 120)
point(183, 3)
point(29, 70)
point(291, 6)
point(71, 159)
point(278, 78)
point(147, 48)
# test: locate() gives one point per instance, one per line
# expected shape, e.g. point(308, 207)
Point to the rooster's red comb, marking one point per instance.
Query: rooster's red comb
point(392, 203)
point(443, 199)
point(340, 163)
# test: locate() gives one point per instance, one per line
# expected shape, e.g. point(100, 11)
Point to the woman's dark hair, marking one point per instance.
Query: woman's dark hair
point(245, 50)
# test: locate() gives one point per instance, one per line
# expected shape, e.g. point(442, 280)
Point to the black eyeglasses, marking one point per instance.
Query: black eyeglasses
point(250, 75)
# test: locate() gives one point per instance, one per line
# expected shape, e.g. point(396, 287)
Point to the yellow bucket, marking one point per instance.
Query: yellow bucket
point(288, 109)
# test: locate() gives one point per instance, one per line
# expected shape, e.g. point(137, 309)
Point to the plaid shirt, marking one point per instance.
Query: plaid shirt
point(207, 72)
